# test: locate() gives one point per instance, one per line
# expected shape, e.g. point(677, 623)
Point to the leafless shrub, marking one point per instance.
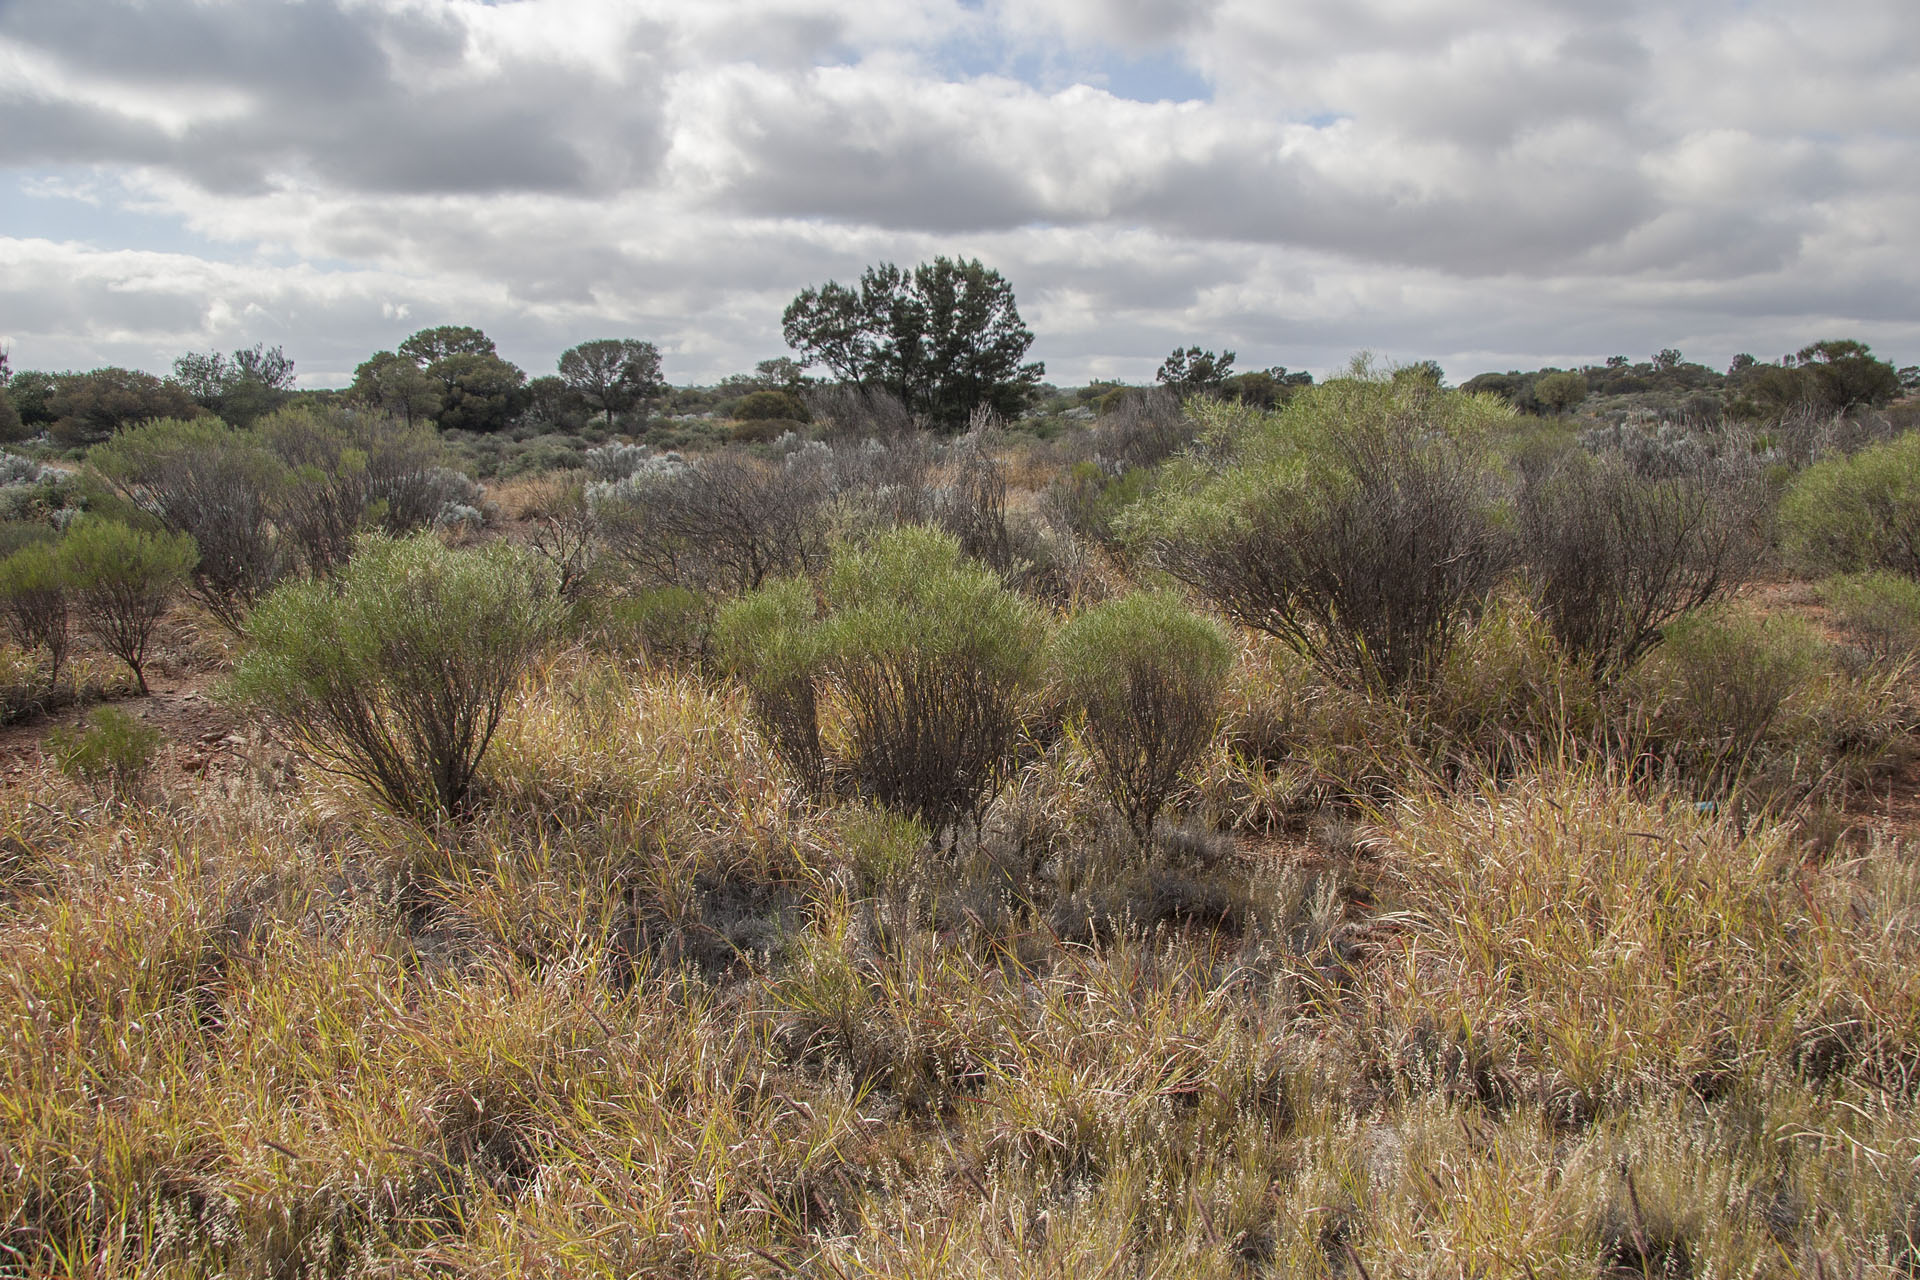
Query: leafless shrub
point(1615, 554)
point(724, 523)
point(972, 505)
point(565, 535)
point(845, 412)
point(1143, 430)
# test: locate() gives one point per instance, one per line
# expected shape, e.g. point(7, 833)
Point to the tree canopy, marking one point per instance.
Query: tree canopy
point(464, 384)
point(1193, 371)
point(944, 337)
point(613, 375)
point(241, 388)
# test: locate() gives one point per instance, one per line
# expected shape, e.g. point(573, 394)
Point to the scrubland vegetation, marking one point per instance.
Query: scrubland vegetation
point(1360, 829)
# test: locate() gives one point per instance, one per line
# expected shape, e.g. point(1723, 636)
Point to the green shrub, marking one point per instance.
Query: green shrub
point(395, 675)
point(766, 404)
point(1718, 694)
point(1879, 611)
point(670, 623)
point(34, 600)
point(1087, 498)
point(1850, 515)
point(123, 581)
point(770, 640)
point(114, 751)
point(1508, 694)
point(1360, 524)
point(1146, 676)
point(933, 659)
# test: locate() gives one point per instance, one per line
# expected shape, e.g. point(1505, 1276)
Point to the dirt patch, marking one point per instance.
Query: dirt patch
point(196, 734)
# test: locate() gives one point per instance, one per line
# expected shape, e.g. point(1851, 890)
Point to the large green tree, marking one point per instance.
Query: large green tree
point(1192, 371)
point(613, 375)
point(397, 386)
point(478, 391)
point(429, 346)
point(945, 337)
point(1843, 373)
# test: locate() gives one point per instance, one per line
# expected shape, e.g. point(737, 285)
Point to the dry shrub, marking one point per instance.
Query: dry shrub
point(722, 524)
point(1615, 555)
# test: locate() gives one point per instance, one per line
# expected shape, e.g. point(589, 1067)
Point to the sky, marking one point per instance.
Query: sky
point(1492, 184)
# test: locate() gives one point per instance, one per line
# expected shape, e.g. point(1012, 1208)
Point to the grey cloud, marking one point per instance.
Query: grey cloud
point(361, 99)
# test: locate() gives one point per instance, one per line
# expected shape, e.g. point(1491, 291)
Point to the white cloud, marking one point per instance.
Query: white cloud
point(1481, 180)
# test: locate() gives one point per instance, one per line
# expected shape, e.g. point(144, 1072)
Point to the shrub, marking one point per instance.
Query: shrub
point(1359, 524)
point(664, 622)
point(1087, 499)
point(933, 659)
point(1141, 428)
point(1507, 695)
point(347, 469)
point(770, 641)
point(1146, 675)
point(1880, 611)
point(122, 581)
point(770, 404)
point(34, 598)
point(396, 675)
point(723, 524)
point(114, 751)
point(1721, 688)
point(1849, 515)
point(218, 486)
point(1615, 555)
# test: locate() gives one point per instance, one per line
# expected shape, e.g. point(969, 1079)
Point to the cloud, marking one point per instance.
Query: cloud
point(1475, 180)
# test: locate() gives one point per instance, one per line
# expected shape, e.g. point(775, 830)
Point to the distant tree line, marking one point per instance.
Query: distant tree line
point(1834, 375)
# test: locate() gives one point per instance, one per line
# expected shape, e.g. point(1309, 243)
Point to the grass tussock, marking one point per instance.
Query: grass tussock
point(1479, 979)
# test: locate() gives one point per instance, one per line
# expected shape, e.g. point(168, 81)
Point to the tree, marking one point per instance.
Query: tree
point(254, 382)
point(430, 346)
point(1195, 372)
point(1844, 373)
point(1667, 358)
point(613, 375)
point(782, 373)
point(945, 338)
point(478, 392)
point(1560, 390)
point(30, 389)
point(11, 427)
point(89, 407)
point(396, 385)
point(552, 405)
point(123, 580)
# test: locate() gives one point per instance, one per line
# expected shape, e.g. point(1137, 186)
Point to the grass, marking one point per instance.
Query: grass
point(1379, 1000)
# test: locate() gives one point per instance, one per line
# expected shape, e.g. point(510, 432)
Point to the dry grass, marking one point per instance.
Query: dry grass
point(653, 1010)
